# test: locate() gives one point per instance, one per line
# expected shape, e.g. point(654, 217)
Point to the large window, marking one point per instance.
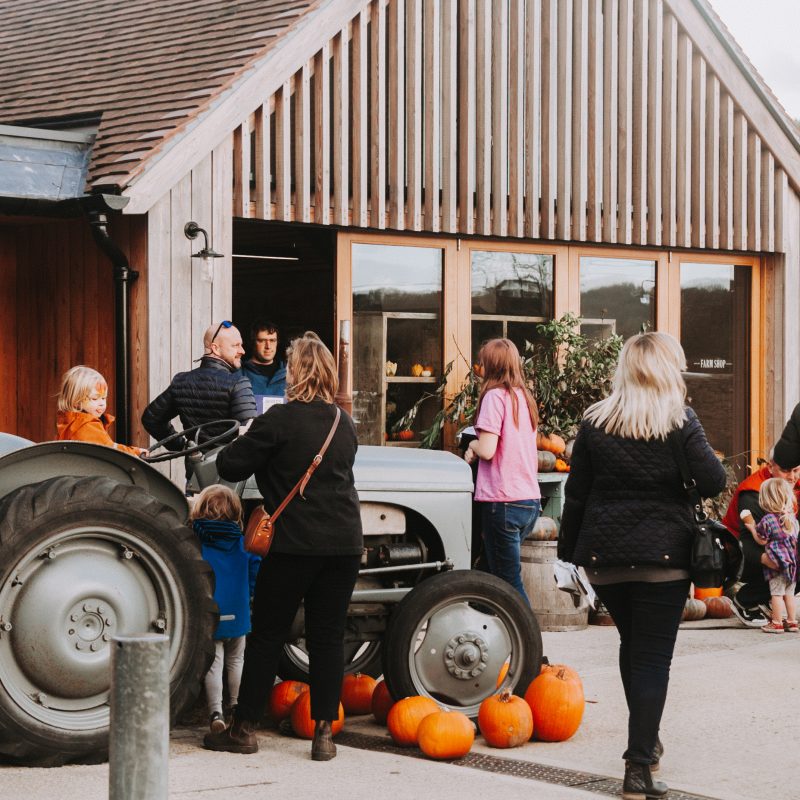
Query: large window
point(397, 338)
point(511, 294)
point(715, 334)
point(617, 295)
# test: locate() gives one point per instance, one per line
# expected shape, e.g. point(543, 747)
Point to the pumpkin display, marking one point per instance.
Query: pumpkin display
point(303, 725)
point(545, 529)
point(416, 370)
point(547, 460)
point(357, 692)
point(381, 702)
point(505, 720)
point(552, 443)
point(718, 607)
point(693, 610)
point(561, 465)
point(446, 734)
point(405, 717)
point(282, 697)
point(702, 594)
point(557, 704)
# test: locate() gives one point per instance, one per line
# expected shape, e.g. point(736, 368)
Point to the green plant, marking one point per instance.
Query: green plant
point(566, 370)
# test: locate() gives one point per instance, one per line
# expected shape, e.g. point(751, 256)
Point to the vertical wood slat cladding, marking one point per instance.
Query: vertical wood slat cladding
point(52, 275)
point(597, 120)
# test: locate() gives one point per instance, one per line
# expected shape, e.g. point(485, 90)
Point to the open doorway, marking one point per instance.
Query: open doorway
point(283, 274)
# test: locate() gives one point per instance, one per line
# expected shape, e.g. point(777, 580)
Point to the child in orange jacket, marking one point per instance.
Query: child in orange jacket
point(82, 410)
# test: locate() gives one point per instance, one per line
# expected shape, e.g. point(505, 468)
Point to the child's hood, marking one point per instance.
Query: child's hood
point(219, 534)
point(68, 423)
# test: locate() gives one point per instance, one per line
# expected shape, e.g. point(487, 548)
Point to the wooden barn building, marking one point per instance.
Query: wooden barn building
point(432, 172)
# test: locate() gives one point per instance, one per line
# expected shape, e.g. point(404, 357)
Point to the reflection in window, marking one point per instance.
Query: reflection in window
point(392, 278)
point(715, 331)
point(617, 296)
point(511, 294)
point(397, 338)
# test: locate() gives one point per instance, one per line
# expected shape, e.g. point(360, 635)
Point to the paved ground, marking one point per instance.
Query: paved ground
point(730, 686)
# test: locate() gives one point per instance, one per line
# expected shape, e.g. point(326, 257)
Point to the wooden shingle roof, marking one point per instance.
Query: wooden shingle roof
point(144, 68)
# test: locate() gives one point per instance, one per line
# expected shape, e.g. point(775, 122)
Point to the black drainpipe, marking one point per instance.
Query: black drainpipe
point(123, 277)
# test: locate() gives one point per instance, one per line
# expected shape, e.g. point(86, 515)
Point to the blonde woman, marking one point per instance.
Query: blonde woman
point(317, 546)
point(628, 521)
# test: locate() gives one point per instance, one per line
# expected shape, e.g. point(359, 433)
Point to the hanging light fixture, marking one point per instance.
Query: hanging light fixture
point(206, 255)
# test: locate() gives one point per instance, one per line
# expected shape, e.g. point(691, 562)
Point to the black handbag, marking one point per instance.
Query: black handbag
point(716, 557)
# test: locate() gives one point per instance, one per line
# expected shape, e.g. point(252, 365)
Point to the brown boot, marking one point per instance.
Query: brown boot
point(322, 746)
point(239, 738)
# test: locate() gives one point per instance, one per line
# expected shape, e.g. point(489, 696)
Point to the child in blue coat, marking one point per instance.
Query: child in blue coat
point(217, 519)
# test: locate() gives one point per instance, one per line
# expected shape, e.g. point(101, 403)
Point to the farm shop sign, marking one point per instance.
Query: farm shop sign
point(712, 363)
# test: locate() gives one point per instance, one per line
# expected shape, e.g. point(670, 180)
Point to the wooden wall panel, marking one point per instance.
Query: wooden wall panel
point(57, 294)
point(603, 120)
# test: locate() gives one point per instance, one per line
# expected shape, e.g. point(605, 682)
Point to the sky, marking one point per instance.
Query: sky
point(768, 32)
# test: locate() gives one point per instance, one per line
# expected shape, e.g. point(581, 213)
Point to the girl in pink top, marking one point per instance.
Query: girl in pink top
point(506, 485)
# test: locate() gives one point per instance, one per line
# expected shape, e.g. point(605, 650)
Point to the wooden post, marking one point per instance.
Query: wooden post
point(344, 397)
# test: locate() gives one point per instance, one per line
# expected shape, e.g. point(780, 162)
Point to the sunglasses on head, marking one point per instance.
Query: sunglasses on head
point(226, 323)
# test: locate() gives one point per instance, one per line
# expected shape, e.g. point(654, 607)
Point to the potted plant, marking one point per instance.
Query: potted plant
point(566, 370)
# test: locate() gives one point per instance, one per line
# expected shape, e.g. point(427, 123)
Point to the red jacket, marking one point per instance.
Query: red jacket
point(752, 483)
point(82, 427)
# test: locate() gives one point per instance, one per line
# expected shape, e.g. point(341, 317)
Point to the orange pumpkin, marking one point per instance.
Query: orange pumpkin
point(357, 692)
point(446, 734)
point(569, 673)
point(553, 443)
point(381, 702)
point(503, 672)
point(505, 720)
point(561, 465)
point(282, 697)
point(718, 607)
point(416, 370)
point(405, 717)
point(704, 594)
point(557, 704)
point(303, 725)
point(405, 436)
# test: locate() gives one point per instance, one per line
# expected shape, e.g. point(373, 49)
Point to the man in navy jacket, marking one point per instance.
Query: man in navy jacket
point(266, 372)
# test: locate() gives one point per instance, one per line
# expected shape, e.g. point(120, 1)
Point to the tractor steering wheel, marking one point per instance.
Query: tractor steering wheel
point(190, 433)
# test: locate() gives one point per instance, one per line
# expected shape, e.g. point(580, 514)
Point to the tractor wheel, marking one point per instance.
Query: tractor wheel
point(452, 635)
point(83, 560)
point(363, 657)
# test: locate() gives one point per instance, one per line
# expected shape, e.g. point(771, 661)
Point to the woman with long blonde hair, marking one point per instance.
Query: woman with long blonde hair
point(506, 485)
point(628, 521)
point(316, 550)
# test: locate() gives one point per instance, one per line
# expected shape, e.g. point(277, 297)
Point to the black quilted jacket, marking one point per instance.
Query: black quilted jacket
point(210, 392)
point(624, 498)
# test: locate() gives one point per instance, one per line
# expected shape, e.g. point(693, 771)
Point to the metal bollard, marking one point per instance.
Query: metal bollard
point(138, 747)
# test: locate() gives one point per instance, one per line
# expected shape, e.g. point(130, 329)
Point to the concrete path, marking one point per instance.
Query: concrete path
point(730, 730)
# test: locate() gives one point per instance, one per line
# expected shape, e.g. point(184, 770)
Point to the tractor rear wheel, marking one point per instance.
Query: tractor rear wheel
point(82, 560)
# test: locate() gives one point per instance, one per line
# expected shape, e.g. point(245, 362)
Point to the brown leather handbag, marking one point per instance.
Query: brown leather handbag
point(261, 526)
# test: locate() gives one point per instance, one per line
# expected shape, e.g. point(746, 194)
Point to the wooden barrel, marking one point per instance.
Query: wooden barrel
point(554, 609)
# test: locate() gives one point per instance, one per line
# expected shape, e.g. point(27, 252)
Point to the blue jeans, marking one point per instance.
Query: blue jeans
point(505, 526)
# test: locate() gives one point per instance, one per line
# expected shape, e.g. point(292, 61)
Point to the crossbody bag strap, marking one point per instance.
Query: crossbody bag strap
point(689, 483)
point(301, 484)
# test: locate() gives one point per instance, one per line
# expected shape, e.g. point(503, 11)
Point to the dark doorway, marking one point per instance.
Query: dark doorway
point(283, 274)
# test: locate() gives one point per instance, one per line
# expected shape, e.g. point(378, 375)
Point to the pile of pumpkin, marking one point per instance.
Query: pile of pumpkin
point(551, 711)
point(707, 603)
point(553, 452)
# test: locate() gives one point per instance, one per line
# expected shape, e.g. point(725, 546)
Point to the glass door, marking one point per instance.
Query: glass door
point(715, 304)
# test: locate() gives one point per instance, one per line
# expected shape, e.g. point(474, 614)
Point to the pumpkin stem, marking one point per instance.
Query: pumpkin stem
point(505, 696)
point(560, 674)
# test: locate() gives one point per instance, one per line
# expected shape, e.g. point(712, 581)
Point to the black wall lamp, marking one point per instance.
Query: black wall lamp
point(206, 255)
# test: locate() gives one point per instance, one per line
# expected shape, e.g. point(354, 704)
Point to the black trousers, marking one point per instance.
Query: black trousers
point(647, 616)
point(325, 584)
point(755, 588)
